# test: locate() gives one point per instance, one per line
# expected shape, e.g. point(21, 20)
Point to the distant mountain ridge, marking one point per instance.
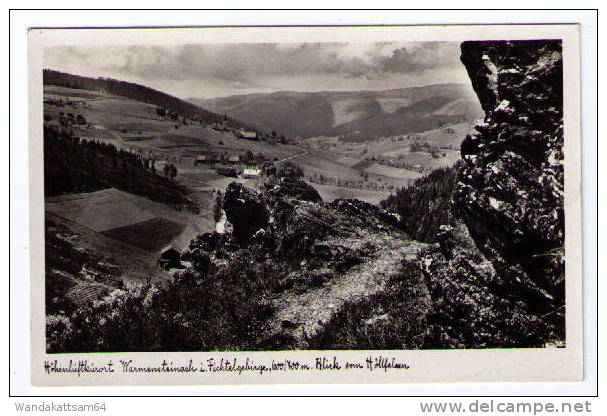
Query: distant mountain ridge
point(356, 115)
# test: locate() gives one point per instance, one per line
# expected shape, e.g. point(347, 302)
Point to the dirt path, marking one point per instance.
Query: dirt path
point(302, 314)
point(303, 153)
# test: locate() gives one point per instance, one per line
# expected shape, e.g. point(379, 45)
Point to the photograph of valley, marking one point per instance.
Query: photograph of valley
point(304, 196)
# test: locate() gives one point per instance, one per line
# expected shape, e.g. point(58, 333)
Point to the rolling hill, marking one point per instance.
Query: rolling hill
point(356, 115)
point(133, 91)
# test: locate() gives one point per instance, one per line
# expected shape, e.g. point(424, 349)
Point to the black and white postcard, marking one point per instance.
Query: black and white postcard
point(305, 205)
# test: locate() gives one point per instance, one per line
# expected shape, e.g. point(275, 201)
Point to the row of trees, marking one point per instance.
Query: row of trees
point(397, 162)
point(364, 183)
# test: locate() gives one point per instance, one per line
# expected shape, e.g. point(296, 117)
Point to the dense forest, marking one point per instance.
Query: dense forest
point(132, 91)
point(426, 205)
point(73, 165)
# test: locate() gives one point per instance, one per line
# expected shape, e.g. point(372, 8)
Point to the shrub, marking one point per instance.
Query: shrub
point(394, 318)
point(289, 170)
point(208, 307)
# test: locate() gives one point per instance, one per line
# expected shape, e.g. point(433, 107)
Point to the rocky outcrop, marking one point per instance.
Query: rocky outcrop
point(170, 259)
point(292, 188)
point(471, 308)
point(510, 189)
point(287, 218)
point(245, 210)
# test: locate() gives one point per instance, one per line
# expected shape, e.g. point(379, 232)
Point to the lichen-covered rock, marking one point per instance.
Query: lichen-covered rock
point(287, 219)
point(245, 210)
point(364, 214)
point(510, 189)
point(290, 188)
point(471, 307)
point(170, 259)
point(299, 225)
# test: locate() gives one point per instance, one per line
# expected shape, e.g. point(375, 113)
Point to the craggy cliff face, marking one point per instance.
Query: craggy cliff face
point(510, 189)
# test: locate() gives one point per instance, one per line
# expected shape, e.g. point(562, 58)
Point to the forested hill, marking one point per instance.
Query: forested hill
point(426, 205)
point(355, 115)
point(74, 165)
point(132, 91)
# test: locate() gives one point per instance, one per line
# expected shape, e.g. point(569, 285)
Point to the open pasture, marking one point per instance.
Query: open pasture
point(348, 109)
point(150, 235)
point(426, 160)
point(101, 210)
point(348, 161)
point(450, 135)
point(116, 213)
point(323, 164)
point(317, 162)
point(137, 265)
point(394, 173)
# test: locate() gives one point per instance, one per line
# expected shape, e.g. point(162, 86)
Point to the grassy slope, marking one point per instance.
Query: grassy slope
point(130, 90)
point(135, 124)
point(111, 211)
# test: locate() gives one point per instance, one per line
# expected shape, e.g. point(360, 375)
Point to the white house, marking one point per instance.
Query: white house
point(250, 173)
point(246, 134)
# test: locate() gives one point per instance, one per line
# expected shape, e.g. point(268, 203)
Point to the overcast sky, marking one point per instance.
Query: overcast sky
point(211, 70)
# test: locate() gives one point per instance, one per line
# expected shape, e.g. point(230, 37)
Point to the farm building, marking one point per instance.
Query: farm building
point(247, 134)
point(206, 158)
point(250, 173)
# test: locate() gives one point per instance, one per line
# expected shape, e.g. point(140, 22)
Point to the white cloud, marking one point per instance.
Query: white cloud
point(211, 70)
